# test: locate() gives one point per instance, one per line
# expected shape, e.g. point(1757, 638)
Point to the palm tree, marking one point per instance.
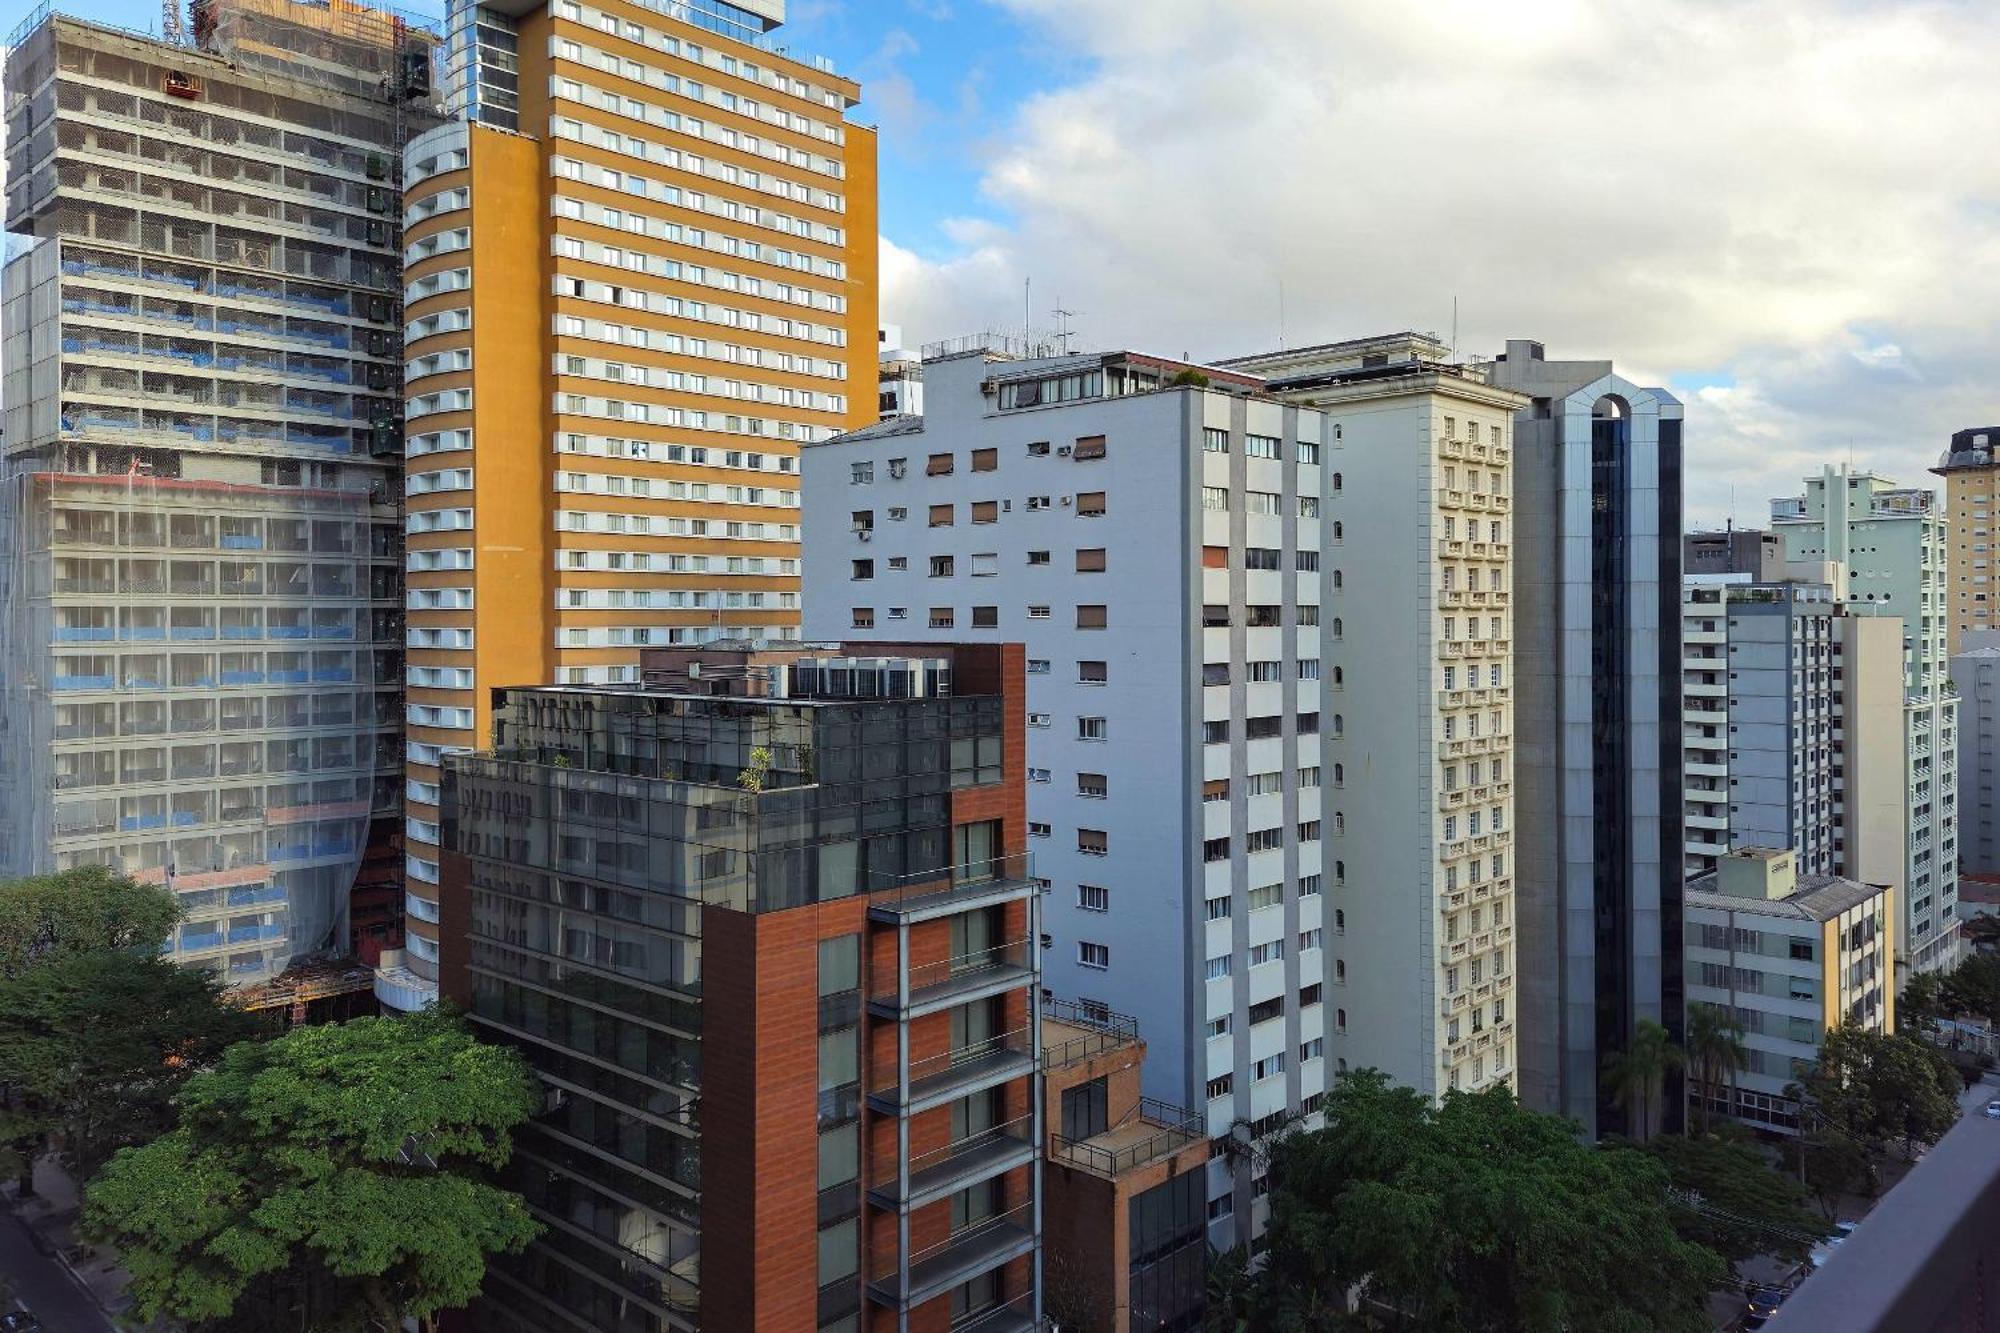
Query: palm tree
point(1715, 1051)
point(1637, 1073)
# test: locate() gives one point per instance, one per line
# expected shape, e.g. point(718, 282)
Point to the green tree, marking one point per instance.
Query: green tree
point(341, 1175)
point(1834, 1167)
point(1639, 1072)
point(1743, 1207)
point(1476, 1214)
point(1925, 999)
point(80, 911)
point(1875, 1088)
point(1973, 987)
point(96, 1045)
point(1715, 1054)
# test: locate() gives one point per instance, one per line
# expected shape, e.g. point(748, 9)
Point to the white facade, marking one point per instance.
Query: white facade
point(1887, 545)
point(1161, 554)
point(1419, 632)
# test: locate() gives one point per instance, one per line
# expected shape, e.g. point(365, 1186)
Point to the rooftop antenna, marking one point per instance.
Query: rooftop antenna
point(1062, 318)
point(1027, 286)
point(1454, 326)
point(1281, 314)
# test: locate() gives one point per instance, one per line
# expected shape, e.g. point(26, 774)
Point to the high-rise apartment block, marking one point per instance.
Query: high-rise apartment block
point(1419, 639)
point(1971, 485)
point(1161, 551)
point(1975, 672)
point(765, 929)
point(1886, 547)
point(200, 632)
point(1791, 956)
point(1597, 510)
point(640, 274)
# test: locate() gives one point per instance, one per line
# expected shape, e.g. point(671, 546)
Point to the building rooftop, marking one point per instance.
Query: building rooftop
point(1817, 898)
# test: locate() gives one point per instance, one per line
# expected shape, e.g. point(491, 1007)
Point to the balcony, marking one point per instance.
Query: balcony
point(964, 1255)
point(940, 1079)
point(928, 894)
point(1072, 1033)
point(961, 1165)
point(961, 980)
point(1154, 1130)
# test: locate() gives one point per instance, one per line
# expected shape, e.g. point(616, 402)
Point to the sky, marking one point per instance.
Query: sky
point(1785, 211)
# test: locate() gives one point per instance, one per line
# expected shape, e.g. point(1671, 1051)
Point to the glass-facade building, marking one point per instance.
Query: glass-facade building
point(770, 952)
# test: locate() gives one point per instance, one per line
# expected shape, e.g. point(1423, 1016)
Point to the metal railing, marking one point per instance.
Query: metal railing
point(1020, 1131)
point(945, 879)
point(1020, 1041)
point(1177, 1126)
point(1107, 1030)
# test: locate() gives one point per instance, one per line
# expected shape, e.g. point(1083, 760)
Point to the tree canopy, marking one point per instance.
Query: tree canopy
point(1638, 1074)
point(345, 1171)
point(80, 911)
point(1733, 1202)
point(1876, 1088)
point(96, 1044)
point(1473, 1215)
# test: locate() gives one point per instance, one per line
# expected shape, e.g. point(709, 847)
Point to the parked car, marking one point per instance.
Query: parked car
point(1763, 1303)
point(1993, 1109)
point(20, 1321)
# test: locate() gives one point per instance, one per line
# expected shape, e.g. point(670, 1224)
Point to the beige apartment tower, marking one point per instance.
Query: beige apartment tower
point(1971, 483)
point(640, 273)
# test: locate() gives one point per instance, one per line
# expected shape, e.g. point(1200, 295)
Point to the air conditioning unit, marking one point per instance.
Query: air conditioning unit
point(864, 533)
point(1065, 502)
point(1006, 506)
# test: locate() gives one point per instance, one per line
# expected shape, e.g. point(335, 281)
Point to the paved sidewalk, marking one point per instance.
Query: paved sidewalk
point(49, 1221)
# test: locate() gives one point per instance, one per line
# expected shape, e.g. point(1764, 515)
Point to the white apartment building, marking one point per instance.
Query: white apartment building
point(1164, 553)
point(1790, 956)
point(1419, 634)
point(1886, 547)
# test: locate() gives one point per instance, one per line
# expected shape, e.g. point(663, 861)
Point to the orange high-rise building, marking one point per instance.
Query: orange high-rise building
point(639, 273)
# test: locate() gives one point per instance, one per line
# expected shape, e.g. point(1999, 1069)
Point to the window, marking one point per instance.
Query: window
point(1093, 897)
point(1215, 969)
point(1090, 504)
point(942, 617)
point(1260, 502)
point(1262, 557)
point(1090, 560)
point(1091, 617)
point(1215, 733)
point(1037, 611)
point(1094, 785)
point(986, 617)
point(864, 617)
point(1260, 446)
point(1090, 729)
point(985, 564)
point(1093, 955)
point(859, 473)
point(863, 569)
point(1037, 829)
point(941, 566)
point(985, 460)
point(1214, 441)
point(1219, 1087)
point(1215, 497)
point(1220, 1027)
point(940, 465)
point(1308, 452)
point(1271, 952)
point(1269, 1067)
point(1088, 447)
point(985, 511)
point(1038, 449)
point(1313, 1050)
point(1092, 673)
point(941, 516)
point(1218, 909)
point(1215, 849)
point(1308, 506)
point(1268, 895)
point(1038, 557)
point(1215, 789)
point(1311, 939)
point(1092, 842)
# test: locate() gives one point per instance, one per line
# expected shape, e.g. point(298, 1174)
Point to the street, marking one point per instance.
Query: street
point(43, 1286)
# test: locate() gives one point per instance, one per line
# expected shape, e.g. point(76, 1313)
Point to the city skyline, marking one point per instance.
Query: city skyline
point(1820, 314)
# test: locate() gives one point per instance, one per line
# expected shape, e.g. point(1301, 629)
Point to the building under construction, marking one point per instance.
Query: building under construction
point(200, 525)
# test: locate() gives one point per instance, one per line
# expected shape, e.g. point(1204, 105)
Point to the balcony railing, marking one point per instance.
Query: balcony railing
point(960, 1165)
point(1072, 1032)
point(959, 980)
point(948, 890)
point(1153, 1130)
point(967, 1253)
point(938, 1079)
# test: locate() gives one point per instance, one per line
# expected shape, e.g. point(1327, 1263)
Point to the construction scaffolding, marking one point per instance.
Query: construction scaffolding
point(201, 567)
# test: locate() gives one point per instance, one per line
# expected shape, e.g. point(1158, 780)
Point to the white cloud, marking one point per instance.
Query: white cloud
point(1796, 198)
